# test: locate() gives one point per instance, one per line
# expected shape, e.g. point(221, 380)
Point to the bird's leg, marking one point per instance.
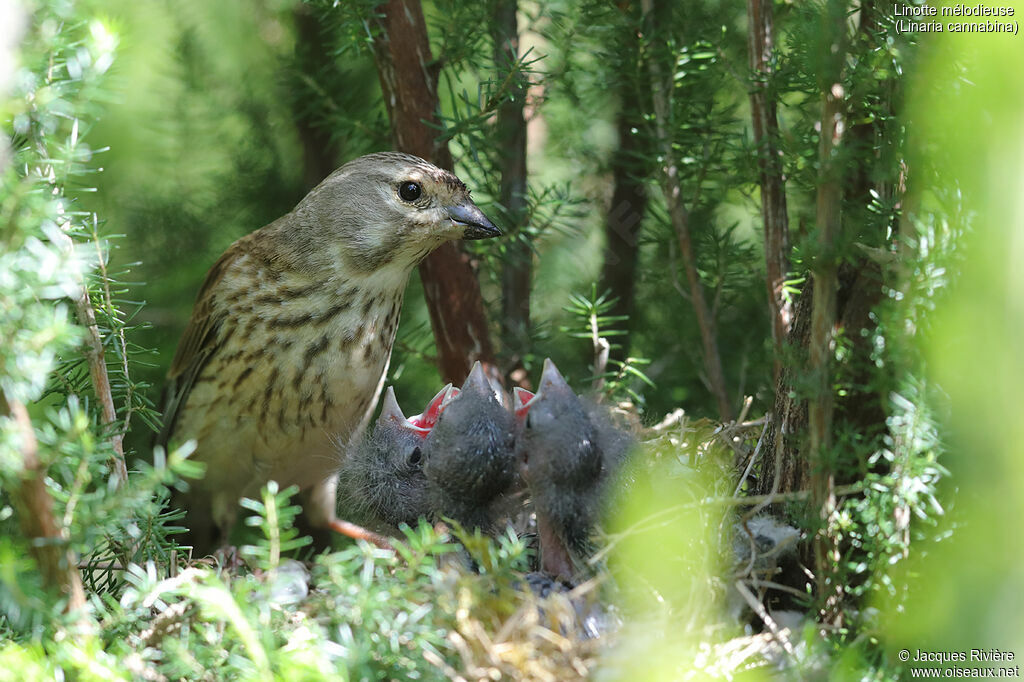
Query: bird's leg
point(356, 532)
point(555, 559)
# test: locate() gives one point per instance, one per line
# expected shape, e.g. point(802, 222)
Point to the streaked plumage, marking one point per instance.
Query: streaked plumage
point(291, 334)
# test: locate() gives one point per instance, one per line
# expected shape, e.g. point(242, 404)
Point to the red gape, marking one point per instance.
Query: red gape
point(434, 408)
point(521, 402)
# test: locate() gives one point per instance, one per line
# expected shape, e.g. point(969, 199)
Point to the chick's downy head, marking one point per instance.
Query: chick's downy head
point(560, 461)
point(557, 440)
point(469, 457)
point(381, 478)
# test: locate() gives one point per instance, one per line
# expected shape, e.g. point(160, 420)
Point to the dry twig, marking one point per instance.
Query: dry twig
point(47, 540)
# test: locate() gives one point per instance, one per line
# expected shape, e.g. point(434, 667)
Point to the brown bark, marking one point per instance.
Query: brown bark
point(408, 78)
point(319, 151)
point(96, 359)
point(784, 468)
point(624, 218)
point(823, 320)
point(823, 315)
point(763, 111)
point(36, 519)
point(680, 219)
point(510, 140)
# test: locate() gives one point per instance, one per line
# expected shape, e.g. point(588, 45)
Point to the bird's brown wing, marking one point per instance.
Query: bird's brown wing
point(205, 333)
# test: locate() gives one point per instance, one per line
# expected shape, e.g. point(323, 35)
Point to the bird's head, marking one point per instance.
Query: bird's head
point(391, 209)
point(389, 471)
point(556, 441)
point(469, 456)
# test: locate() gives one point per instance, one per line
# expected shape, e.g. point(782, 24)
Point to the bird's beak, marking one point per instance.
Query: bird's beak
point(392, 412)
point(474, 223)
point(551, 378)
point(477, 380)
point(450, 395)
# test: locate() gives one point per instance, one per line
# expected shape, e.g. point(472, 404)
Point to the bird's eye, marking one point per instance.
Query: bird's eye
point(415, 457)
point(410, 191)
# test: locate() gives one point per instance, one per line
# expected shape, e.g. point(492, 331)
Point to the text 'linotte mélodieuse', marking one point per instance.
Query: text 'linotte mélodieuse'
point(979, 19)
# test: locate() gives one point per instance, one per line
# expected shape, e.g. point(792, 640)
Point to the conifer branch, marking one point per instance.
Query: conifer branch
point(680, 220)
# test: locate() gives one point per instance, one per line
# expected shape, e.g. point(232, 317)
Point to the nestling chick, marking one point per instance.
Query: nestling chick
point(469, 455)
point(566, 456)
point(291, 335)
point(381, 479)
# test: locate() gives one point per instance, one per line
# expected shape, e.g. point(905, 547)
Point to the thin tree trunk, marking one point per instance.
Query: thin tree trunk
point(679, 217)
point(35, 514)
point(101, 382)
point(625, 214)
point(95, 356)
point(823, 315)
point(630, 169)
point(408, 78)
point(823, 318)
point(319, 152)
point(763, 111)
point(510, 139)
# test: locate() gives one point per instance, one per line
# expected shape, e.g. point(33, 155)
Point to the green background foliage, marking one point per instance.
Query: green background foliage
point(139, 140)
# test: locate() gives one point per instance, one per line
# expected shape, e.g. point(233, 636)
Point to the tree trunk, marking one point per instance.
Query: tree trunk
point(408, 78)
point(820, 350)
point(630, 169)
point(763, 106)
point(784, 467)
point(510, 139)
point(319, 151)
point(625, 215)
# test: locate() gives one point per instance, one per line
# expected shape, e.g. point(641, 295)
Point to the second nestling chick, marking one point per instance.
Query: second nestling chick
point(469, 456)
point(566, 453)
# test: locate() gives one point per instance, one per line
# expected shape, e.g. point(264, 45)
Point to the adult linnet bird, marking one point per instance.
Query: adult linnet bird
point(289, 341)
point(567, 452)
point(469, 456)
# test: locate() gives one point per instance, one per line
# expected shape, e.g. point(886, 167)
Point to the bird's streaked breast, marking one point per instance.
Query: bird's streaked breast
point(301, 373)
